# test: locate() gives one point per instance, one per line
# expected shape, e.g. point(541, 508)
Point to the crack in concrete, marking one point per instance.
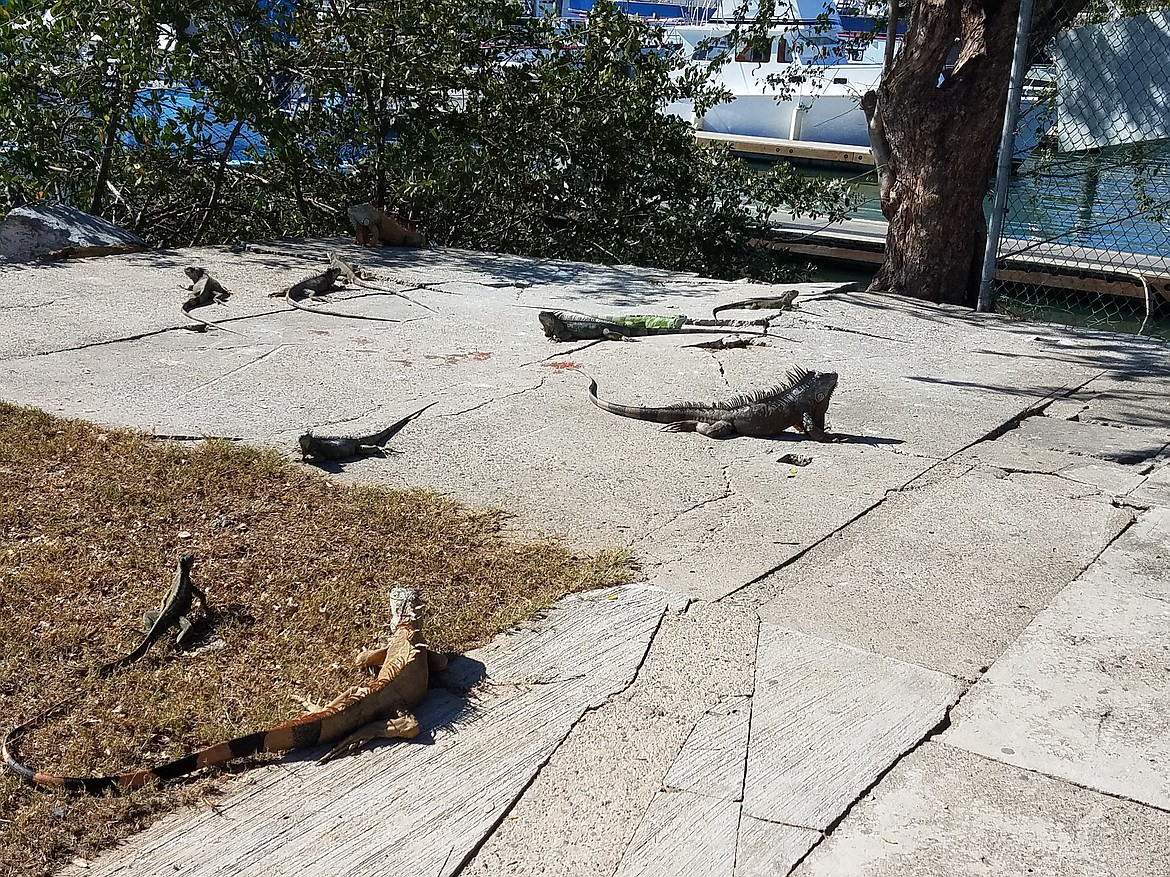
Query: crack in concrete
point(830, 327)
point(1117, 796)
point(492, 399)
point(727, 492)
point(186, 327)
point(28, 307)
point(995, 433)
point(231, 372)
point(939, 728)
point(163, 437)
point(747, 748)
point(554, 749)
point(559, 353)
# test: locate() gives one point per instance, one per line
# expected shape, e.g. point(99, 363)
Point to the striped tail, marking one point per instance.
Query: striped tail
point(302, 732)
point(654, 415)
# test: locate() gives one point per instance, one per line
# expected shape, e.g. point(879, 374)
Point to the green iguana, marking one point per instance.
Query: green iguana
point(357, 276)
point(317, 285)
point(783, 302)
point(319, 447)
point(564, 326)
point(205, 290)
point(381, 708)
point(171, 612)
point(801, 402)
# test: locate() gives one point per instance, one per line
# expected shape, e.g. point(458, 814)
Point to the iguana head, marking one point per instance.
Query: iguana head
point(308, 444)
point(554, 327)
point(817, 393)
point(405, 605)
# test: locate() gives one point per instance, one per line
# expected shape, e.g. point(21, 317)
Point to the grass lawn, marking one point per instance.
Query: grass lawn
point(296, 567)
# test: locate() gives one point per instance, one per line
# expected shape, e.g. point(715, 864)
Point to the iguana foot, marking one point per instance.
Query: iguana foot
point(310, 706)
point(404, 727)
point(371, 658)
point(719, 429)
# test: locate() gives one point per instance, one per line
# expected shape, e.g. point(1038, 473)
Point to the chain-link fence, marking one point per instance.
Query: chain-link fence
point(1086, 230)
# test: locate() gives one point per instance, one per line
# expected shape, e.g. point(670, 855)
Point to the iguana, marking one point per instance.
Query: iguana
point(565, 326)
point(205, 290)
point(358, 276)
point(783, 302)
point(372, 227)
point(801, 402)
point(171, 612)
point(731, 342)
point(317, 285)
point(310, 287)
point(381, 708)
point(319, 447)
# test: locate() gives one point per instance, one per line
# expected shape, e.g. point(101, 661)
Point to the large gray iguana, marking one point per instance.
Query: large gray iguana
point(801, 403)
point(381, 708)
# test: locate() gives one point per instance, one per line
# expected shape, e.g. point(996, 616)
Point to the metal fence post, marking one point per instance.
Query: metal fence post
point(1003, 171)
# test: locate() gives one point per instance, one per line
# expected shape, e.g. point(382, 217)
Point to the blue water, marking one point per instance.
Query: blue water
point(177, 109)
point(1117, 200)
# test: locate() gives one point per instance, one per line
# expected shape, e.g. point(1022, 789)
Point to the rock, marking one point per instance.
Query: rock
point(58, 232)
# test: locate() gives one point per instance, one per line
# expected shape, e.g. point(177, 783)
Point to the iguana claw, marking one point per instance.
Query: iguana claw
point(403, 727)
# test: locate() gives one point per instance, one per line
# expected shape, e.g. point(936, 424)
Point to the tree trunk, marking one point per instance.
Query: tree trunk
point(939, 132)
point(935, 136)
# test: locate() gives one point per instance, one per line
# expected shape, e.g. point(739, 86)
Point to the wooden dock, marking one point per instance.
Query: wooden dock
point(862, 242)
point(801, 150)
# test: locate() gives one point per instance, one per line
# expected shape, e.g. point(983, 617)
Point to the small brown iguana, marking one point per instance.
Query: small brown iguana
point(316, 285)
point(357, 275)
point(381, 708)
point(801, 402)
point(373, 227)
point(319, 447)
point(205, 290)
point(171, 612)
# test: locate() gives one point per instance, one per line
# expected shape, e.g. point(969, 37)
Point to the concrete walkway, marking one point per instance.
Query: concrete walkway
point(943, 647)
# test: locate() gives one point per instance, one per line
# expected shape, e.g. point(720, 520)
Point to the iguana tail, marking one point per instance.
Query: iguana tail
point(299, 306)
point(380, 438)
point(324, 726)
point(668, 414)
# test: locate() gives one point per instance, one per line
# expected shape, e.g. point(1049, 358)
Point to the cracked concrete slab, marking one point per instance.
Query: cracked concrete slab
point(761, 519)
point(1132, 400)
point(827, 720)
point(943, 810)
point(711, 761)
point(770, 849)
point(1084, 692)
point(683, 833)
point(622, 752)
point(998, 549)
point(937, 559)
point(1113, 443)
point(375, 811)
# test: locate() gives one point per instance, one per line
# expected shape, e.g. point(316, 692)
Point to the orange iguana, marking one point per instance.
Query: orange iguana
point(360, 714)
point(372, 227)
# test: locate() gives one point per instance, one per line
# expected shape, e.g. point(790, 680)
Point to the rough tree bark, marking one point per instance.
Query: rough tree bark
point(935, 133)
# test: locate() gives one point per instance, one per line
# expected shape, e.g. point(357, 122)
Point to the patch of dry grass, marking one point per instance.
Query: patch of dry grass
point(296, 567)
